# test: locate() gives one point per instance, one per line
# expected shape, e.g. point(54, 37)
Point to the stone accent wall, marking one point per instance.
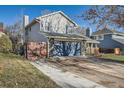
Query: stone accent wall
point(36, 50)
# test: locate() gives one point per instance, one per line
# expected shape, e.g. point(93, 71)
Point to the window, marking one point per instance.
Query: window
point(66, 29)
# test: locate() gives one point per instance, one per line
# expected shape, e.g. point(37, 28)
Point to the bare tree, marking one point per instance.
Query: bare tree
point(46, 11)
point(14, 32)
point(103, 16)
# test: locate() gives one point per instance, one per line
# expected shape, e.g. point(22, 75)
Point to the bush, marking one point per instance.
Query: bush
point(5, 43)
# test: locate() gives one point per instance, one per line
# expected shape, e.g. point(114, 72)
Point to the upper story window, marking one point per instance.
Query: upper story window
point(69, 29)
point(66, 29)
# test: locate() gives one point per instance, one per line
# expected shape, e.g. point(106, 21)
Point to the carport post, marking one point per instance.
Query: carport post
point(83, 47)
point(81, 50)
point(48, 49)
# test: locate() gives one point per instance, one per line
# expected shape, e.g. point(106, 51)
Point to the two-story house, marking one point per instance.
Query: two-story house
point(51, 35)
point(109, 40)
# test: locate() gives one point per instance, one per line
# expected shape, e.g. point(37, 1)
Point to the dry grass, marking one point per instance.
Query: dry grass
point(16, 72)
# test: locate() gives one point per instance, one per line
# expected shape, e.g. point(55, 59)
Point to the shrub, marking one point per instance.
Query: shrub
point(5, 43)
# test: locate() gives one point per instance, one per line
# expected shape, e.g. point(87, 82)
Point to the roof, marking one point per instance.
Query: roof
point(38, 18)
point(64, 37)
point(44, 36)
point(120, 40)
point(37, 37)
point(69, 37)
point(33, 22)
point(106, 31)
point(89, 40)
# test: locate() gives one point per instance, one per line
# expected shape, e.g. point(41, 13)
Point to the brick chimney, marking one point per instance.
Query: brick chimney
point(88, 32)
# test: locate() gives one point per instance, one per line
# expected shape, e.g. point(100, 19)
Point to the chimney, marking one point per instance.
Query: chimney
point(1, 27)
point(25, 23)
point(25, 20)
point(88, 32)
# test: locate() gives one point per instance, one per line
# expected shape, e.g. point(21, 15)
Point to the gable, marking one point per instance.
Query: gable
point(49, 16)
point(58, 13)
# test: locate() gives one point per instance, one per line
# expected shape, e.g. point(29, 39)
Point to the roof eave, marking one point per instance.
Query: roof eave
point(69, 18)
point(33, 22)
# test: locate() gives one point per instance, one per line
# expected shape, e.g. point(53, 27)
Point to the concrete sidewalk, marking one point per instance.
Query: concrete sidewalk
point(65, 79)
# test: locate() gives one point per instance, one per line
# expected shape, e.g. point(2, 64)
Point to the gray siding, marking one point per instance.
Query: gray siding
point(32, 30)
point(108, 42)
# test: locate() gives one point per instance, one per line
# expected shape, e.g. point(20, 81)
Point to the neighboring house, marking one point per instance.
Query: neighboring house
point(109, 40)
point(51, 35)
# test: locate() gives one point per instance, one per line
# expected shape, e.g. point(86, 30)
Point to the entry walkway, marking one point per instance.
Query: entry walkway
point(65, 79)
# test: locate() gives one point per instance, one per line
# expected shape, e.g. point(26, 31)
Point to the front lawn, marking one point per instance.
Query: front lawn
point(16, 72)
point(113, 57)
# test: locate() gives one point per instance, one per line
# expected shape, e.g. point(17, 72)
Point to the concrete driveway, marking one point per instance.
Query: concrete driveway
point(65, 79)
point(103, 72)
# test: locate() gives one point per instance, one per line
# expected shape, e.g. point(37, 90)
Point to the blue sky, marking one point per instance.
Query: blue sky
point(10, 14)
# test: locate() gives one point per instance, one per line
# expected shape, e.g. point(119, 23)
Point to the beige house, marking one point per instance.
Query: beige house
point(56, 31)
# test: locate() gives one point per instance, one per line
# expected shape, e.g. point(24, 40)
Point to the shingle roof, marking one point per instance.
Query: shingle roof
point(89, 40)
point(44, 36)
point(65, 36)
point(119, 40)
point(37, 37)
point(107, 31)
point(70, 36)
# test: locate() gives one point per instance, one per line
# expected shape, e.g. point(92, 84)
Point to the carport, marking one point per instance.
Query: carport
point(47, 44)
point(56, 39)
point(43, 44)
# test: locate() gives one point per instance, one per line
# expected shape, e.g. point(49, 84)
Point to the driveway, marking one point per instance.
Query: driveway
point(103, 72)
point(65, 79)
